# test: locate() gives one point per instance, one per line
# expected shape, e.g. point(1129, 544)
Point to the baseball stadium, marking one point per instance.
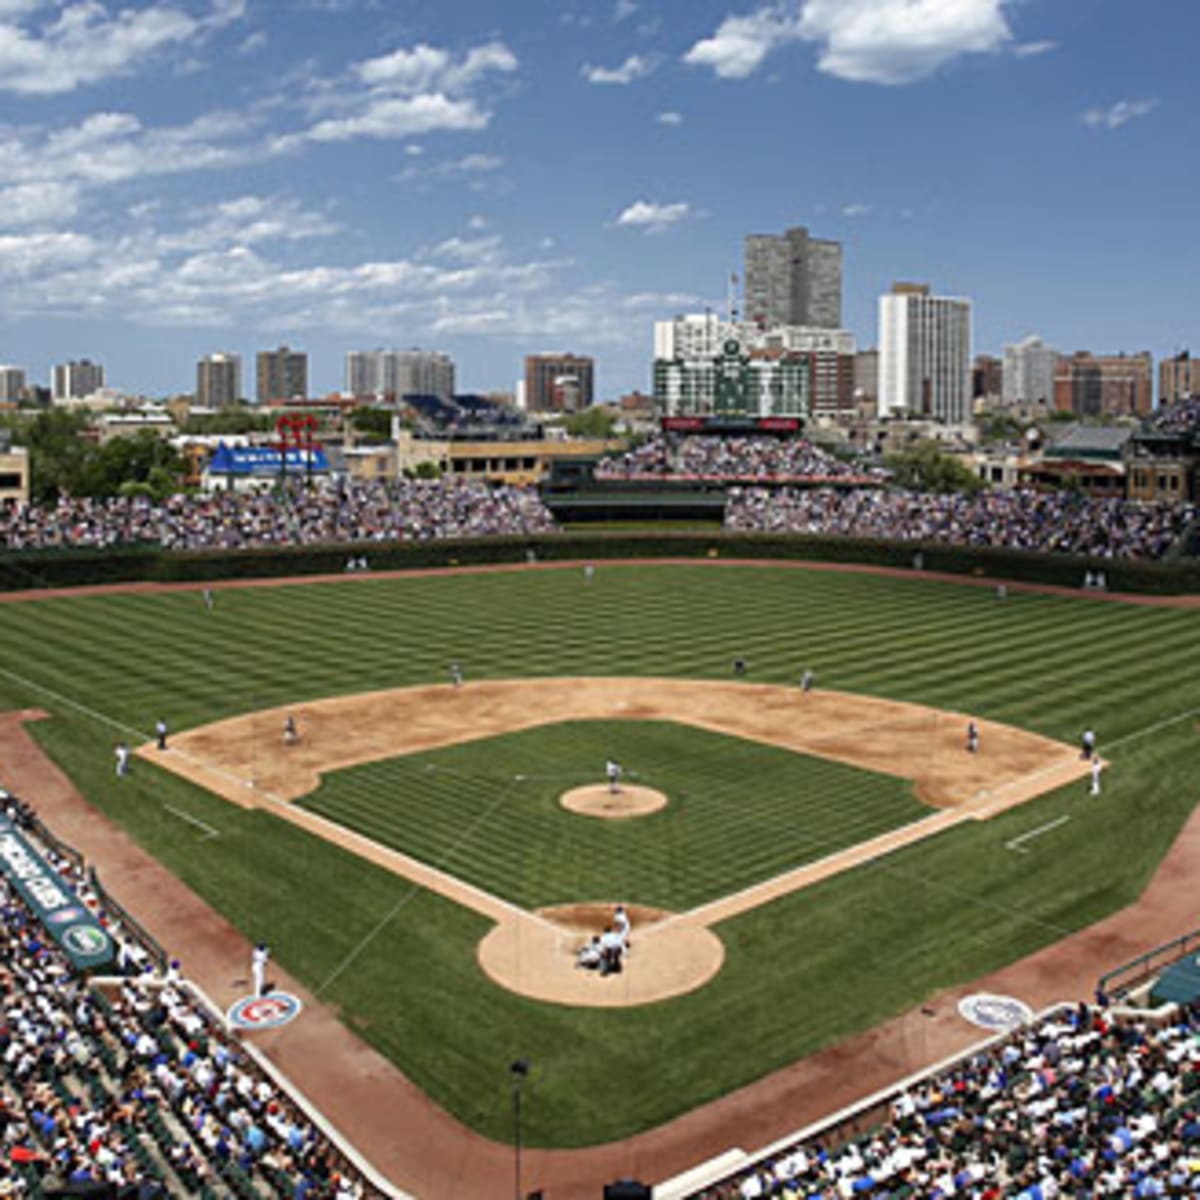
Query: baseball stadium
point(902, 829)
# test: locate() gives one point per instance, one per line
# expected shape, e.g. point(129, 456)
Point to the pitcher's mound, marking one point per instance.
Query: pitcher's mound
point(533, 954)
point(595, 800)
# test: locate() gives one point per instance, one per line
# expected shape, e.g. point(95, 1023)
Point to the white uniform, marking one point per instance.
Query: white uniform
point(588, 572)
point(622, 925)
point(122, 760)
point(613, 771)
point(972, 737)
point(258, 967)
point(1097, 767)
point(806, 681)
point(208, 598)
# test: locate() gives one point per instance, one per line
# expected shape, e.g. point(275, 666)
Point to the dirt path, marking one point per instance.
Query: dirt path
point(426, 1151)
point(987, 581)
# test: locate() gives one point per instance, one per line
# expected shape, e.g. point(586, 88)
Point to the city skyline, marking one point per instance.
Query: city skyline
point(561, 176)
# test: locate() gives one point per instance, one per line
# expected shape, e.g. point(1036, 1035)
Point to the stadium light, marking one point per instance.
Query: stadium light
point(518, 1068)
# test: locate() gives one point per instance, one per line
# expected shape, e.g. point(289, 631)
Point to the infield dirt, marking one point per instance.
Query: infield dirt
point(245, 760)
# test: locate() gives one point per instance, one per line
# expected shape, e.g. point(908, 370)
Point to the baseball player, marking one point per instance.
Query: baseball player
point(739, 666)
point(621, 926)
point(291, 735)
point(208, 599)
point(588, 572)
point(160, 732)
point(806, 681)
point(1001, 592)
point(259, 958)
point(122, 753)
point(1087, 744)
point(612, 771)
point(456, 675)
point(1096, 767)
point(972, 738)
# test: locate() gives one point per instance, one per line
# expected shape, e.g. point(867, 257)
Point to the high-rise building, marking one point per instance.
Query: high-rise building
point(987, 377)
point(399, 373)
point(74, 380)
point(1095, 385)
point(866, 377)
point(793, 279)
point(12, 384)
point(281, 375)
point(219, 380)
point(1178, 378)
point(1029, 369)
point(558, 382)
point(924, 354)
point(701, 338)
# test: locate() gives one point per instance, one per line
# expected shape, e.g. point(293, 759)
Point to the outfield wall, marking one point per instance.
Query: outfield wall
point(22, 570)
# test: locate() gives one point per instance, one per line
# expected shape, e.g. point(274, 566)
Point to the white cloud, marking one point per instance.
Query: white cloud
point(856, 210)
point(1118, 114)
point(669, 118)
point(624, 9)
point(652, 217)
point(83, 42)
point(408, 92)
point(636, 66)
point(872, 41)
point(1031, 49)
point(45, 203)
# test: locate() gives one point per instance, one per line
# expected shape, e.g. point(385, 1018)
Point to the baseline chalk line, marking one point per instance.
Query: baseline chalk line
point(209, 831)
point(1016, 843)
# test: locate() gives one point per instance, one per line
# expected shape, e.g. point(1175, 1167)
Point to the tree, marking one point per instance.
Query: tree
point(375, 424)
point(925, 468)
point(57, 452)
point(596, 421)
point(227, 420)
point(142, 460)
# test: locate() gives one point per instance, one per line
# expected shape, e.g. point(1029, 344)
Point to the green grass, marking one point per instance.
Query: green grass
point(800, 972)
point(477, 810)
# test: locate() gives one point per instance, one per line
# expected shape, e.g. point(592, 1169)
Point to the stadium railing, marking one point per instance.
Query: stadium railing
point(1121, 981)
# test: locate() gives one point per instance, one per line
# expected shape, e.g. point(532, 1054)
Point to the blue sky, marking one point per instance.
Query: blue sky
point(487, 179)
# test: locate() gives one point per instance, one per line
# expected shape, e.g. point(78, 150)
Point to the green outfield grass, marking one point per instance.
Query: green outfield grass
point(488, 812)
point(799, 972)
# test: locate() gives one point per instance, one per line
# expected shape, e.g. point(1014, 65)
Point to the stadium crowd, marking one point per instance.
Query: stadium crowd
point(1053, 522)
point(730, 459)
point(1080, 1104)
point(328, 513)
point(1182, 417)
point(138, 1094)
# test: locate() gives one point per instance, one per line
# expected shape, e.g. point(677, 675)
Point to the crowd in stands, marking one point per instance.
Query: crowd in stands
point(136, 1093)
point(1080, 1104)
point(742, 459)
point(1182, 417)
point(1054, 522)
point(328, 513)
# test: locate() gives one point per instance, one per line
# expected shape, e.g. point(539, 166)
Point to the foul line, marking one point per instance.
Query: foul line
point(1164, 724)
point(1016, 843)
point(83, 708)
point(209, 831)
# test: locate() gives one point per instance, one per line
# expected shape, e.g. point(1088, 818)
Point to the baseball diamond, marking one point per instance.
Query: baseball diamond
point(832, 859)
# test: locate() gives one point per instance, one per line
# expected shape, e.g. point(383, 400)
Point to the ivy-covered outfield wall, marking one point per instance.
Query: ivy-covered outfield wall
point(73, 568)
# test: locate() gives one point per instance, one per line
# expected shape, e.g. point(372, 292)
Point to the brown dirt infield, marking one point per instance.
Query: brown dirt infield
point(245, 760)
point(598, 800)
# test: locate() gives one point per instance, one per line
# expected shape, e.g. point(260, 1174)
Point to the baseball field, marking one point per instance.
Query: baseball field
point(479, 802)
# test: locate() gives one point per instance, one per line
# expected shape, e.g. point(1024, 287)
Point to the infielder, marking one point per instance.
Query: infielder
point(612, 771)
point(1096, 767)
point(291, 735)
point(160, 732)
point(1087, 744)
point(972, 738)
point(806, 681)
point(456, 675)
point(739, 666)
point(122, 753)
point(259, 958)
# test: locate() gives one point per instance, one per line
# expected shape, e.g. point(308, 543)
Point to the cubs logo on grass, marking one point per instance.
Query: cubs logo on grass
point(265, 1012)
point(1001, 1014)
